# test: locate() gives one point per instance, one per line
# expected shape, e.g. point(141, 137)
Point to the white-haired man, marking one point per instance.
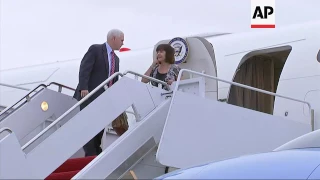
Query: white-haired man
point(99, 63)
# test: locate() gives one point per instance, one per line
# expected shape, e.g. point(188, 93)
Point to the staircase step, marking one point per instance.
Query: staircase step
point(70, 168)
point(74, 164)
point(62, 175)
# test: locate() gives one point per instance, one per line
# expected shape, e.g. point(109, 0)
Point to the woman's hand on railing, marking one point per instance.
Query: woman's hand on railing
point(170, 82)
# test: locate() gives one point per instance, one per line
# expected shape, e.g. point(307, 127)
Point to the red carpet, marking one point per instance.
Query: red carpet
point(62, 175)
point(70, 168)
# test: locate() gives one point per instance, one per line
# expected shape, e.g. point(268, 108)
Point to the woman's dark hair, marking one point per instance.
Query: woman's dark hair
point(169, 52)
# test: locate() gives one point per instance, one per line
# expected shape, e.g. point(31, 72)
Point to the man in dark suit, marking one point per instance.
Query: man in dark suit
point(99, 63)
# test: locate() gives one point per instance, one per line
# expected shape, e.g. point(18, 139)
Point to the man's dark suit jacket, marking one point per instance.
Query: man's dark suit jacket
point(94, 69)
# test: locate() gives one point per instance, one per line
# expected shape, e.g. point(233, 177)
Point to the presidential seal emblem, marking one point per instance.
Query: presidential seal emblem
point(181, 49)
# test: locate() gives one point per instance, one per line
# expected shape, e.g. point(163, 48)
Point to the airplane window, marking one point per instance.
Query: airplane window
point(318, 56)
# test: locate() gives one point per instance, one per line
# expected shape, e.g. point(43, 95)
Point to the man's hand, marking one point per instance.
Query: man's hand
point(84, 93)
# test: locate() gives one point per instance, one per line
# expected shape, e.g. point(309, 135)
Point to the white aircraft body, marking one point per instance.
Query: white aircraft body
point(297, 71)
point(284, 62)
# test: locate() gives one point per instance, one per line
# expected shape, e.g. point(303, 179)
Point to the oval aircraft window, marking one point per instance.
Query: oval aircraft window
point(318, 56)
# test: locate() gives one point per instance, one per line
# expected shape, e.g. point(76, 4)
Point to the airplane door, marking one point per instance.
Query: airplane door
point(197, 54)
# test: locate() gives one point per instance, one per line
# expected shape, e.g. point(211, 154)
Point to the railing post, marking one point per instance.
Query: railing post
point(28, 98)
point(312, 119)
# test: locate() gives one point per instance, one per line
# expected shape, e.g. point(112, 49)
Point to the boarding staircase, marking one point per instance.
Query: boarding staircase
point(42, 104)
point(143, 99)
point(180, 128)
point(222, 130)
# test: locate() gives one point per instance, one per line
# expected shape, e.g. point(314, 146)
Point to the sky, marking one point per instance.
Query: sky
point(42, 31)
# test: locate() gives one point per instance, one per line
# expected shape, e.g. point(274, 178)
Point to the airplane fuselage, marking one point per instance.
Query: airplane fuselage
point(293, 50)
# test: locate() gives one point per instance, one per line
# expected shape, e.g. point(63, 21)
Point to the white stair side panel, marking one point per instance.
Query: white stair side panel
point(199, 131)
point(194, 86)
point(157, 98)
point(27, 121)
point(10, 154)
point(155, 94)
point(124, 152)
point(107, 139)
point(64, 142)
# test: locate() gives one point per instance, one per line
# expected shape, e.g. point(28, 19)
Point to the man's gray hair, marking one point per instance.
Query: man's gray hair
point(114, 32)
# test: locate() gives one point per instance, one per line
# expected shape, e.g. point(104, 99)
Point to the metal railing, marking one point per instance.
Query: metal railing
point(4, 130)
point(71, 109)
point(83, 100)
point(27, 96)
point(147, 77)
point(130, 112)
point(243, 86)
point(60, 86)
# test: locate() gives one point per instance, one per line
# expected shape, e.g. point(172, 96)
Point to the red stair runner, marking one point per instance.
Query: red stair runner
point(70, 168)
point(62, 175)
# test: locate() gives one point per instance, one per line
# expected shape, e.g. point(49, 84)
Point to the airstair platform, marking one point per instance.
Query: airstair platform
point(213, 131)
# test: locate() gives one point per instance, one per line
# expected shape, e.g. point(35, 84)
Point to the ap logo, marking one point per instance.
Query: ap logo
point(263, 14)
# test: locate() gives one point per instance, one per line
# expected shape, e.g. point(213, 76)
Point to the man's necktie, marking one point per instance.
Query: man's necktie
point(113, 62)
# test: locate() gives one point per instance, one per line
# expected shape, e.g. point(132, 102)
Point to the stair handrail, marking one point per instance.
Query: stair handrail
point(130, 112)
point(85, 98)
point(31, 91)
point(14, 87)
point(61, 86)
point(240, 85)
point(147, 77)
point(26, 96)
point(71, 109)
point(5, 129)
